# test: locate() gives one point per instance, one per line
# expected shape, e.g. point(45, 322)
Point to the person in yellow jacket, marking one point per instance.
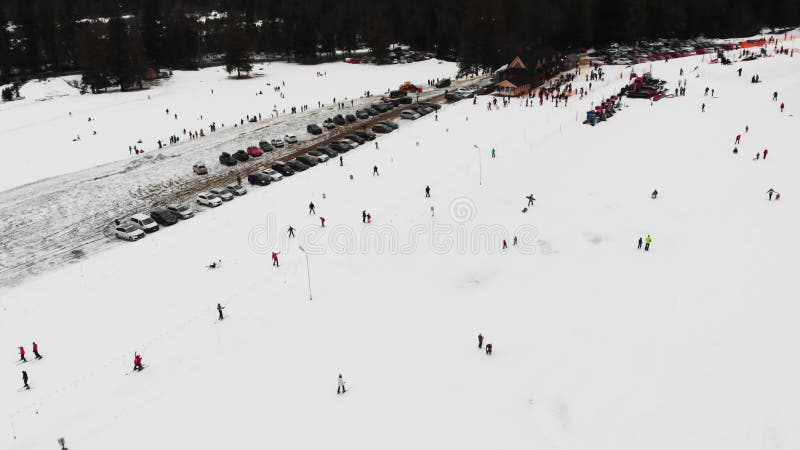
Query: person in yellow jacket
point(647, 242)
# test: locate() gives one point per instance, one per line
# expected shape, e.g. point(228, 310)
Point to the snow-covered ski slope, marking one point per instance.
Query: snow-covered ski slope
point(38, 134)
point(597, 345)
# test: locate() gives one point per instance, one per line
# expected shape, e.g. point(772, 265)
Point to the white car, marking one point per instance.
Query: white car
point(319, 156)
point(129, 232)
point(208, 199)
point(222, 193)
point(182, 210)
point(410, 115)
point(236, 189)
point(277, 142)
point(466, 93)
point(144, 222)
point(272, 174)
point(290, 138)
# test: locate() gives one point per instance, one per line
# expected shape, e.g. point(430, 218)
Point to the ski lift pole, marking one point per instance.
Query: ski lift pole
point(308, 271)
point(480, 166)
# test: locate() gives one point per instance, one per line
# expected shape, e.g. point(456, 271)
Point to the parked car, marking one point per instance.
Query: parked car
point(328, 151)
point(236, 189)
point(422, 110)
point(266, 146)
point(226, 159)
point(397, 94)
point(350, 118)
point(366, 135)
point(145, 222)
point(390, 124)
point(277, 142)
point(466, 92)
point(241, 155)
point(402, 101)
point(339, 146)
point(453, 96)
point(283, 168)
point(224, 194)
point(432, 105)
point(272, 174)
point(351, 143)
point(361, 114)
point(339, 120)
point(410, 114)
point(381, 128)
point(296, 165)
point(314, 129)
point(308, 160)
point(372, 111)
point(443, 83)
point(329, 125)
point(208, 199)
point(259, 179)
point(200, 168)
point(355, 137)
point(290, 139)
point(254, 152)
point(320, 156)
point(128, 232)
point(164, 217)
point(183, 211)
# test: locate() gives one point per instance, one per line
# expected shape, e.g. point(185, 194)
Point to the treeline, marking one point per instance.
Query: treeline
point(112, 41)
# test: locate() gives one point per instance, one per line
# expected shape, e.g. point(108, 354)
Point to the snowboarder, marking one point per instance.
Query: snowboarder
point(322, 221)
point(219, 310)
point(311, 208)
point(22, 349)
point(654, 194)
point(647, 242)
point(275, 259)
point(765, 153)
point(25, 380)
point(36, 351)
point(530, 199)
point(375, 171)
point(291, 231)
point(738, 138)
point(137, 362)
point(480, 340)
point(488, 349)
point(770, 192)
point(640, 243)
point(427, 192)
point(340, 389)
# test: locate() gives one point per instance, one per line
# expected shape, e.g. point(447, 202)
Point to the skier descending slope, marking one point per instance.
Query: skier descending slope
point(25, 380)
point(137, 362)
point(340, 388)
point(36, 351)
point(22, 349)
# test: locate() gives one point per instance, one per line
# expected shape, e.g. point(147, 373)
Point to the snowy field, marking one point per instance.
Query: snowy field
point(38, 135)
point(597, 345)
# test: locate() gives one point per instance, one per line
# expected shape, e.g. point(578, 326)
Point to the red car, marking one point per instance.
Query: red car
point(254, 151)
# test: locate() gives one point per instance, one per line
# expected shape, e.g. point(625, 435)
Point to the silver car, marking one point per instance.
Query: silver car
point(272, 174)
point(222, 193)
point(236, 189)
point(182, 210)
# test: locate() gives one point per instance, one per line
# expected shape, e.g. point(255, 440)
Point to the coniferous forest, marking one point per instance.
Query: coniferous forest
point(112, 42)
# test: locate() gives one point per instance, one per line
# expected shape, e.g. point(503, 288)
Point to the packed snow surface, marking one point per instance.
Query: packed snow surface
point(38, 136)
point(597, 345)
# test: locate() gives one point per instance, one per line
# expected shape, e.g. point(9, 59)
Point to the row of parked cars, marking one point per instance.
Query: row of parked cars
point(421, 109)
point(138, 225)
point(252, 151)
point(385, 105)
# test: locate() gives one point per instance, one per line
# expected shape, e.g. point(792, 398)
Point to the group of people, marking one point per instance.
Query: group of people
point(23, 359)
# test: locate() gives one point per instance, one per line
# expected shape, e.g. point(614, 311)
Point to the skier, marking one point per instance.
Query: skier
point(738, 138)
point(488, 349)
point(322, 221)
point(427, 192)
point(25, 380)
point(214, 264)
point(640, 243)
point(505, 245)
point(369, 218)
point(758, 155)
point(493, 153)
point(275, 259)
point(311, 208)
point(291, 231)
point(765, 153)
point(364, 216)
point(375, 171)
point(36, 351)
point(22, 353)
point(137, 362)
point(703, 108)
point(647, 243)
point(747, 128)
point(770, 192)
point(530, 200)
point(219, 310)
point(775, 96)
point(735, 151)
point(781, 107)
point(654, 194)
point(340, 389)
point(480, 340)
point(341, 162)
point(740, 71)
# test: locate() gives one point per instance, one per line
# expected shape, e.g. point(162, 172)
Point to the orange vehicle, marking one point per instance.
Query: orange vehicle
point(407, 87)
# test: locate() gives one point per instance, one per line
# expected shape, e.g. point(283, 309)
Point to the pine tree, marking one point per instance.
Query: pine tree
point(237, 46)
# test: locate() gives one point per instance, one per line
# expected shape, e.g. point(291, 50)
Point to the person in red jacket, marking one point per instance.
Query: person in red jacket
point(36, 351)
point(22, 354)
point(275, 259)
point(137, 362)
point(765, 153)
point(322, 221)
point(781, 107)
point(738, 138)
